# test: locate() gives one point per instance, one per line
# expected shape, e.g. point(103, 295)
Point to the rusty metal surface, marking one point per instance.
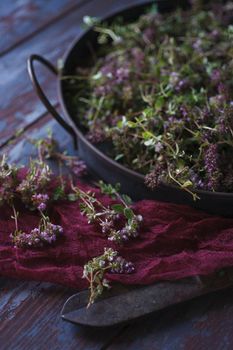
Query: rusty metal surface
point(131, 304)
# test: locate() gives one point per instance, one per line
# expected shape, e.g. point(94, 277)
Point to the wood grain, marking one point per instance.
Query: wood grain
point(22, 145)
point(30, 319)
point(21, 19)
point(19, 104)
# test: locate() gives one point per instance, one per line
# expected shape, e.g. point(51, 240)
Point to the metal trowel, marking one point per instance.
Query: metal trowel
point(123, 304)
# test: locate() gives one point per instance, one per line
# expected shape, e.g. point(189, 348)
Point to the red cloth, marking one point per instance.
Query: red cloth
point(175, 241)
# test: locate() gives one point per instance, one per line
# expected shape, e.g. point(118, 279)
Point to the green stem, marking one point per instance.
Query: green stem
point(15, 217)
point(108, 32)
point(194, 195)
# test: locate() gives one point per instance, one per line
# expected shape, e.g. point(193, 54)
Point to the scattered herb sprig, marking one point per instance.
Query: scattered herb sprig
point(48, 148)
point(108, 216)
point(45, 233)
point(94, 271)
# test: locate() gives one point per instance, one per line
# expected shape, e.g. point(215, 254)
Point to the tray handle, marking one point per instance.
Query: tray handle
point(42, 96)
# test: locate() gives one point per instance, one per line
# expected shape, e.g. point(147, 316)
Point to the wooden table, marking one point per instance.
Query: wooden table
point(30, 311)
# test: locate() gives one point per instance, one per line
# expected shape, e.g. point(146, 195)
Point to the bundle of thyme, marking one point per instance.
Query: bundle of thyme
point(161, 92)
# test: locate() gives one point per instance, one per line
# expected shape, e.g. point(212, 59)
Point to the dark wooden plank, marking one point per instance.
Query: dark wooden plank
point(203, 323)
point(20, 19)
point(30, 319)
point(21, 149)
point(20, 105)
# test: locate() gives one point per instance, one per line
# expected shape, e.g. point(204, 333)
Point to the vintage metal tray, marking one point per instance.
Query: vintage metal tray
point(132, 182)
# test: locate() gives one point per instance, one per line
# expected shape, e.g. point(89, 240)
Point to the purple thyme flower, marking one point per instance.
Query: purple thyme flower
point(103, 90)
point(27, 240)
point(158, 147)
point(184, 112)
point(50, 232)
point(211, 157)
point(196, 180)
point(106, 225)
point(214, 34)
point(197, 45)
point(130, 230)
point(108, 69)
point(215, 76)
point(174, 78)
point(97, 135)
point(177, 82)
point(39, 200)
point(149, 35)
point(47, 233)
point(138, 57)
point(78, 167)
point(38, 177)
point(121, 75)
point(120, 265)
point(223, 91)
point(155, 177)
point(211, 167)
point(217, 100)
point(183, 83)
point(222, 124)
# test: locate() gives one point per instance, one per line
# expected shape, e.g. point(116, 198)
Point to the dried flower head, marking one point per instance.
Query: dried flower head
point(45, 233)
point(40, 200)
point(36, 181)
point(109, 217)
point(94, 271)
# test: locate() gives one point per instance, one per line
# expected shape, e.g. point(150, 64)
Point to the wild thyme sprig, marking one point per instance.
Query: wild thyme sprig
point(32, 188)
point(108, 217)
point(48, 149)
point(45, 233)
point(94, 271)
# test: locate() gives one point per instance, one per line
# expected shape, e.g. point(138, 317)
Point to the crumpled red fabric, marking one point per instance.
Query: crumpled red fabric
point(175, 241)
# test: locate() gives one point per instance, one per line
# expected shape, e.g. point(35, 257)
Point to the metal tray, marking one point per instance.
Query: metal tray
point(101, 165)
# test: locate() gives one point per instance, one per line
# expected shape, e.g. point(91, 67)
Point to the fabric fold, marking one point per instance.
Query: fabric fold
point(175, 241)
